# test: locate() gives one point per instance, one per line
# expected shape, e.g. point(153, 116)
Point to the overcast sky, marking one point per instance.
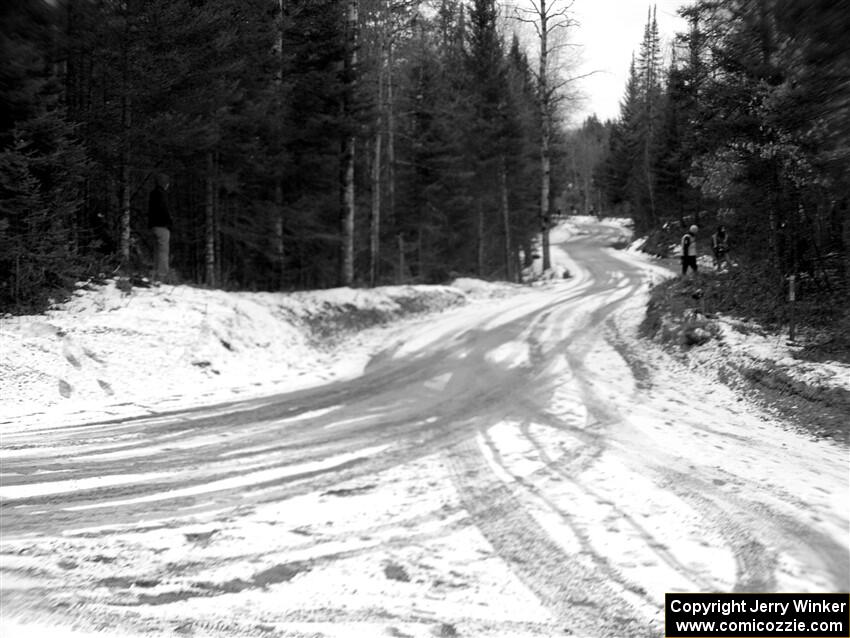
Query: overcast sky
point(610, 31)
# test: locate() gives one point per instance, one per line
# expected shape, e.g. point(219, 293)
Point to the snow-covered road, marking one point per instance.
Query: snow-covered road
point(521, 467)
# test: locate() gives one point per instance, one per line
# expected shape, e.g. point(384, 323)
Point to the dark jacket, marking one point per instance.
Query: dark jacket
point(158, 209)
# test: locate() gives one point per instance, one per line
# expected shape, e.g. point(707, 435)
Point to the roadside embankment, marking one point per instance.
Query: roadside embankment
point(812, 395)
point(114, 350)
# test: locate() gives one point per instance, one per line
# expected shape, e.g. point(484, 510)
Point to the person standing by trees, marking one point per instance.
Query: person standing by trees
point(689, 250)
point(159, 221)
point(720, 246)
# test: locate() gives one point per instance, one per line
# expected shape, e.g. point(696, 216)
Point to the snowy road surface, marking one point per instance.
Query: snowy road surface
point(521, 467)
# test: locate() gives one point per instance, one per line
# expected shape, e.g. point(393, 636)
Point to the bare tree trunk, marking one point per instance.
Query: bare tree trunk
point(545, 165)
point(400, 277)
point(518, 266)
point(375, 217)
point(480, 240)
point(845, 242)
point(347, 213)
point(280, 255)
point(390, 137)
point(375, 221)
point(217, 212)
point(17, 278)
point(545, 134)
point(209, 222)
point(347, 192)
point(506, 218)
point(125, 209)
point(124, 243)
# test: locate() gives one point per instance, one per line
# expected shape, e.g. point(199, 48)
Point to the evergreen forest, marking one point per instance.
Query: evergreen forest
point(319, 143)
point(744, 124)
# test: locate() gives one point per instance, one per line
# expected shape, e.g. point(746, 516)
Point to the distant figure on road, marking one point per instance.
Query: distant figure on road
point(720, 247)
point(159, 221)
point(689, 250)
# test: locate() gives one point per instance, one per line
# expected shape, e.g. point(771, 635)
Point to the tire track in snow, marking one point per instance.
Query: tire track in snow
point(756, 565)
point(651, 542)
point(757, 546)
point(570, 587)
point(587, 547)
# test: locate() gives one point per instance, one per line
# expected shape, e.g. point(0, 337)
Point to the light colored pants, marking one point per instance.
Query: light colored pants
point(160, 257)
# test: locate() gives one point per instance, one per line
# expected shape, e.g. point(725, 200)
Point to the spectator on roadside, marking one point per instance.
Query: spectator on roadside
point(689, 250)
point(720, 247)
point(159, 221)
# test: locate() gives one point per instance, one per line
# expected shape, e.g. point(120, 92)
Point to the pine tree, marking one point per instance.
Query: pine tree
point(42, 168)
point(617, 168)
point(487, 133)
point(644, 176)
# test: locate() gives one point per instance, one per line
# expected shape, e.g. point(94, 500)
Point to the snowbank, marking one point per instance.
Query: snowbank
point(124, 352)
point(814, 395)
point(769, 360)
point(745, 356)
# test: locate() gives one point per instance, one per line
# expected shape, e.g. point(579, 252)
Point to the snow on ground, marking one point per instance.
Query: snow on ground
point(743, 346)
point(398, 543)
point(107, 352)
point(110, 353)
point(14, 627)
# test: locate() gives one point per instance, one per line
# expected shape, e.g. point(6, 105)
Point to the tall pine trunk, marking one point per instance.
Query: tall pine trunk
point(506, 217)
point(545, 135)
point(390, 137)
point(125, 223)
point(480, 239)
point(844, 239)
point(346, 168)
point(280, 255)
point(545, 169)
point(209, 222)
point(375, 217)
point(217, 213)
point(125, 209)
point(400, 276)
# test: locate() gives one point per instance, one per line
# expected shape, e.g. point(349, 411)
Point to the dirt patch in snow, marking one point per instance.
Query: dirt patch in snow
point(129, 586)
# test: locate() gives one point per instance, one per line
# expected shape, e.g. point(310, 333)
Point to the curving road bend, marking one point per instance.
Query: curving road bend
point(520, 467)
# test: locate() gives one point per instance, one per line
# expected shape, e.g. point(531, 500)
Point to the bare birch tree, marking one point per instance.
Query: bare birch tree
point(549, 18)
point(346, 164)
